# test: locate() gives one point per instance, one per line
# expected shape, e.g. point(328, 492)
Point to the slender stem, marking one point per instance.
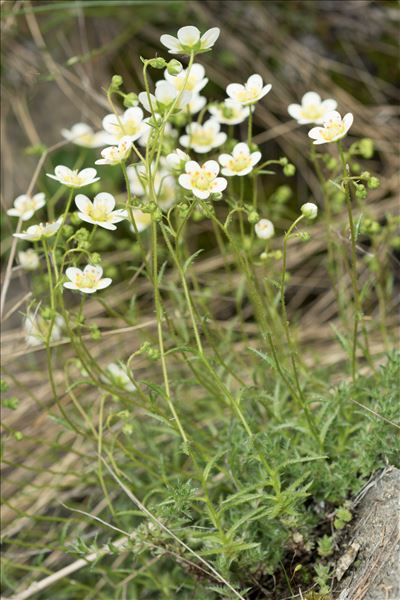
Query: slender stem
point(354, 275)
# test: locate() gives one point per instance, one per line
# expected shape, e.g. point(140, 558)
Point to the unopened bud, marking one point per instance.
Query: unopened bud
point(289, 170)
point(116, 81)
point(264, 229)
point(158, 63)
point(174, 67)
point(373, 183)
point(253, 217)
point(309, 210)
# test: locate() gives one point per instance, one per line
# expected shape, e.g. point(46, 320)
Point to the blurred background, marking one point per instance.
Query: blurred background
point(57, 59)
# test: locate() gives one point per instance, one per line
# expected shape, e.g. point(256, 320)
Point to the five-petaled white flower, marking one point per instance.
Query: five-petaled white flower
point(188, 40)
point(203, 138)
point(142, 220)
point(164, 96)
point(101, 211)
point(334, 128)
point(164, 184)
point(37, 329)
point(202, 180)
point(34, 233)
point(74, 178)
point(240, 162)
point(130, 123)
point(118, 375)
point(312, 109)
point(229, 112)
point(176, 160)
point(87, 281)
point(25, 206)
point(195, 79)
point(82, 134)
point(249, 93)
point(113, 155)
point(264, 229)
point(29, 260)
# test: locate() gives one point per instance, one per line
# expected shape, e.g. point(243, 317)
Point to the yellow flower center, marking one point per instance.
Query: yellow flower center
point(202, 137)
point(98, 213)
point(130, 127)
point(332, 129)
point(86, 280)
point(85, 138)
point(247, 94)
point(240, 162)
point(179, 82)
point(202, 179)
point(73, 178)
point(312, 112)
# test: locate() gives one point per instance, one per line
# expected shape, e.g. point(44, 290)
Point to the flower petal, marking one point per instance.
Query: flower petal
point(170, 42)
point(104, 200)
point(189, 35)
point(83, 203)
point(311, 98)
point(209, 38)
point(185, 181)
point(255, 81)
point(219, 184)
point(315, 133)
point(103, 283)
point(212, 166)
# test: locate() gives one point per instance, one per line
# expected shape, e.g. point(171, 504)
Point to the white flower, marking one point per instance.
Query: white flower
point(309, 210)
point(87, 281)
point(83, 135)
point(165, 96)
point(229, 112)
point(142, 220)
point(36, 232)
point(334, 128)
point(74, 178)
point(164, 184)
point(240, 162)
point(26, 206)
point(176, 160)
point(202, 138)
point(202, 180)
point(113, 155)
point(196, 104)
point(249, 93)
point(29, 260)
point(117, 374)
point(37, 329)
point(130, 123)
point(195, 81)
point(264, 229)
point(101, 211)
point(312, 109)
point(189, 40)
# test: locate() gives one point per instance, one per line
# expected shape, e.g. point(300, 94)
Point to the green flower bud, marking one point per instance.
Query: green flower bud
point(75, 220)
point(361, 191)
point(366, 147)
point(84, 245)
point(253, 217)
point(18, 435)
point(356, 167)
point(304, 236)
point(67, 231)
point(373, 183)
point(289, 170)
point(116, 81)
point(3, 385)
point(95, 332)
point(157, 215)
point(216, 196)
point(283, 161)
point(309, 210)
point(158, 63)
point(263, 255)
point(130, 100)
point(365, 175)
point(95, 258)
point(277, 254)
point(331, 163)
point(174, 67)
